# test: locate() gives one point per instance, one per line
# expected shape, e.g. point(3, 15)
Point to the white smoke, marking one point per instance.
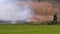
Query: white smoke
point(9, 11)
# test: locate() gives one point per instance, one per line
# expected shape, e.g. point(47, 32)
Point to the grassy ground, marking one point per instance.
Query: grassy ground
point(29, 29)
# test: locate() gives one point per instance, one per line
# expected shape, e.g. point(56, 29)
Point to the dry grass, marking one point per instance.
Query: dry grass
point(44, 10)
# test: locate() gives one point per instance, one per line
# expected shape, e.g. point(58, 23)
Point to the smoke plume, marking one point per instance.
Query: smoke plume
point(10, 11)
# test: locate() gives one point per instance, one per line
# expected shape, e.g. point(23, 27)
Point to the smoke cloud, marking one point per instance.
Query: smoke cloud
point(10, 11)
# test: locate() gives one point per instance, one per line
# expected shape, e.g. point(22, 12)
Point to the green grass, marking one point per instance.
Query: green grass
point(29, 29)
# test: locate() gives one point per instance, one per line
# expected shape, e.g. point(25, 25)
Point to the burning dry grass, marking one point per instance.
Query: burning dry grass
point(44, 10)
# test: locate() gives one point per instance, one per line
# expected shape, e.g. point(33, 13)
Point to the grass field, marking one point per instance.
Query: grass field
point(29, 29)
